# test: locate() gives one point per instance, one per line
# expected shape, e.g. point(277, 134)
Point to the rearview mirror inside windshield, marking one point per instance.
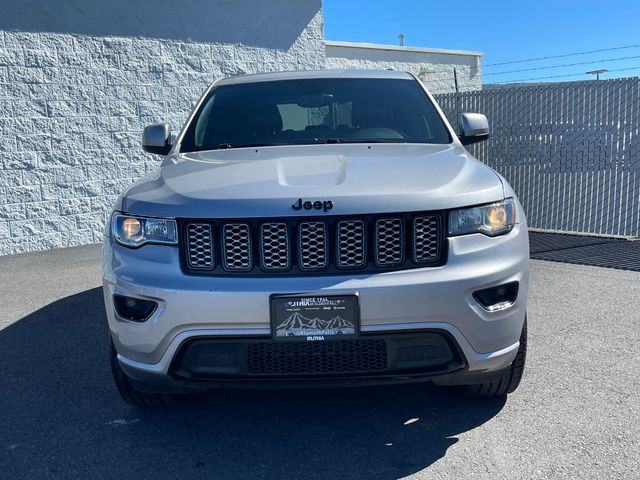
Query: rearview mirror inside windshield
point(314, 101)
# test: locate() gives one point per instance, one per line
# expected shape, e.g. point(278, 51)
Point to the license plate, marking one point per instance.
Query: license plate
point(314, 317)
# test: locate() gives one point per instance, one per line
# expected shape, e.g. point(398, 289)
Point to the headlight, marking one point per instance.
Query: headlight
point(133, 231)
point(492, 220)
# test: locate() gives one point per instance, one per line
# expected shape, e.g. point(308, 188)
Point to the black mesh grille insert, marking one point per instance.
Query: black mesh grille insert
point(291, 358)
point(275, 246)
point(313, 245)
point(236, 247)
point(389, 241)
point(351, 243)
point(426, 246)
point(200, 255)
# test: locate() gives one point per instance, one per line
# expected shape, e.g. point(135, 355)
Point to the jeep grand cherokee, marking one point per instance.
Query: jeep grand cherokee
point(316, 228)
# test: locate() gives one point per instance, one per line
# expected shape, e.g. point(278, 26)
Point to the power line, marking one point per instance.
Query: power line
point(564, 65)
point(563, 76)
point(562, 56)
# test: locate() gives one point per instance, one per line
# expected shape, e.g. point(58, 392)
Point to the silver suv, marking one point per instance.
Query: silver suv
point(316, 228)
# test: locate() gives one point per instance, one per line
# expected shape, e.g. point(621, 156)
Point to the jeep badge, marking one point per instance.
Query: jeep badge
point(325, 205)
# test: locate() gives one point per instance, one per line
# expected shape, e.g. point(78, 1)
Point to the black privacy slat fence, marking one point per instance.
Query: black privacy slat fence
point(570, 150)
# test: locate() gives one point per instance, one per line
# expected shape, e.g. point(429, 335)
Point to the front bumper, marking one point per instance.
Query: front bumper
point(428, 299)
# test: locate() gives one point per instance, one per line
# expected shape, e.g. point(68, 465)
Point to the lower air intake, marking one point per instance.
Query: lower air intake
point(299, 358)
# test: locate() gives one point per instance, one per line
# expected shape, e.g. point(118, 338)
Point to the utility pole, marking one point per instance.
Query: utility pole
point(597, 72)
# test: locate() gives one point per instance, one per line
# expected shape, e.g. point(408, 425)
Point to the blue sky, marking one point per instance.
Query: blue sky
point(504, 30)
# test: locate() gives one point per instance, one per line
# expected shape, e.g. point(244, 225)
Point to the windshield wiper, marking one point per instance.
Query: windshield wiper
point(224, 146)
point(330, 140)
point(362, 140)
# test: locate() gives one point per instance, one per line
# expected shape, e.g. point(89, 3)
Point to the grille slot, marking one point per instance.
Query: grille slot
point(426, 244)
point(389, 242)
point(300, 358)
point(351, 246)
point(200, 246)
point(275, 246)
point(313, 245)
point(236, 247)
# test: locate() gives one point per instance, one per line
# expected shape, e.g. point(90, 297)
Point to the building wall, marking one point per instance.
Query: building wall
point(78, 82)
point(434, 67)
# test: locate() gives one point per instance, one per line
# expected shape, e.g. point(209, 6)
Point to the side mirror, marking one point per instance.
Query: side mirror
point(474, 128)
point(157, 138)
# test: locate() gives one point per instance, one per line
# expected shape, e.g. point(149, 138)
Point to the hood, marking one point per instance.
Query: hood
point(355, 178)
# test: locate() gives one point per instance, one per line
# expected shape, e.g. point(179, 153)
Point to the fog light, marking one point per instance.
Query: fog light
point(134, 309)
point(497, 298)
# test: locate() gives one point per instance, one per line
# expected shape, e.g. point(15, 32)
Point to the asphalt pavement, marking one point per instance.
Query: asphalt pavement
point(575, 415)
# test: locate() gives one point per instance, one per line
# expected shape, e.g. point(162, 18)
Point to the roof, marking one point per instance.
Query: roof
point(305, 74)
point(397, 48)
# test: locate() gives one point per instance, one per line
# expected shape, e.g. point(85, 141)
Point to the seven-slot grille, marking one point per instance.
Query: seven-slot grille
point(327, 244)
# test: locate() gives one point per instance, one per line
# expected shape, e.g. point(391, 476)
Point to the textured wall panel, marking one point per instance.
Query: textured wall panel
point(73, 103)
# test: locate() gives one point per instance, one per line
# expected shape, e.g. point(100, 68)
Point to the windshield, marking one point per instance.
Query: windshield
point(310, 111)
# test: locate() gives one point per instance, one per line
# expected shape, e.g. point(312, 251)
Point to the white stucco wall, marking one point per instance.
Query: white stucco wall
point(79, 82)
point(434, 67)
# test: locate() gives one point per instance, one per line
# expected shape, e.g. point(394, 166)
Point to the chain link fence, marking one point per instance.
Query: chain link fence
point(570, 150)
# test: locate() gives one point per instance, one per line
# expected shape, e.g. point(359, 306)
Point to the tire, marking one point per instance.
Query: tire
point(508, 381)
point(131, 394)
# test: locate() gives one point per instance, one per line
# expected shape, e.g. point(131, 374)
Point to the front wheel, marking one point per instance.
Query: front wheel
point(509, 379)
point(131, 394)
